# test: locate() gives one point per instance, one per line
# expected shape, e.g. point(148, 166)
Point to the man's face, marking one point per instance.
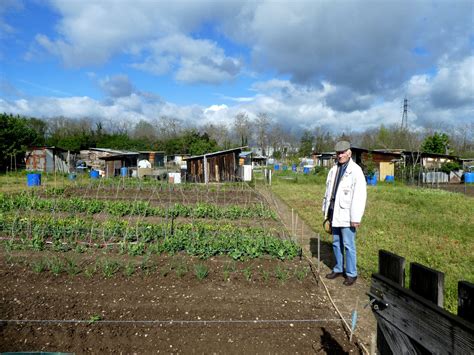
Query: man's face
point(343, 157)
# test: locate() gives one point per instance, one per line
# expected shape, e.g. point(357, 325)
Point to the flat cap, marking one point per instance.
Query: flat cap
point(342, 146)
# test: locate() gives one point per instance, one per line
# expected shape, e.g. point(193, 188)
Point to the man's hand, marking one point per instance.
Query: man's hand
point(355, 224)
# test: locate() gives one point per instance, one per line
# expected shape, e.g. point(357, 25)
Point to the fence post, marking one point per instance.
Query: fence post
point(466, 300)
point(392, 267)
point(427, 282)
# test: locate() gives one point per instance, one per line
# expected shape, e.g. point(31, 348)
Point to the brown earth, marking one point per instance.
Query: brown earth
point(346, 299)
point(160, 309)
point(156, 310)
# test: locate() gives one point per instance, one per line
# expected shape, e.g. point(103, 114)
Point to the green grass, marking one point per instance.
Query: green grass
point(432, 227)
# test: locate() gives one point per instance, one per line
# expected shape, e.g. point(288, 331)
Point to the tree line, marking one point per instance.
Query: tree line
point(174, 136)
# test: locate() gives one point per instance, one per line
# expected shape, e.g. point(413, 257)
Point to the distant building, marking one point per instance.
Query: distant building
point(222, 166)
point(91, 157)
point(49, 159)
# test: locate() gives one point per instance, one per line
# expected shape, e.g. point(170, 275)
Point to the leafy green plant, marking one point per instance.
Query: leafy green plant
point(181, 269)
point(281, 273)
point(230, 266)
point(369, 166)
point(301, 273)
point(71, 267)
point(248, 273)
point(56, 266)
point(201, 271)
point(136, 248)
point(94, 318)
point(147, 267)
point(110, 267)
point(265, 275)
point(39, 266)
point(129, 269)
point(90, 270)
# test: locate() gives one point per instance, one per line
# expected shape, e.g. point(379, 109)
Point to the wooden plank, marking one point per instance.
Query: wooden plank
point(466, 300)
point(427, 283)
point(392, 267)
point(383, 347)
point(435, 329)
point(396, 341)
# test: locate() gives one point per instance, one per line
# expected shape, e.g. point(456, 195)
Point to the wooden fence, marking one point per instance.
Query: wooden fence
point(412, 320)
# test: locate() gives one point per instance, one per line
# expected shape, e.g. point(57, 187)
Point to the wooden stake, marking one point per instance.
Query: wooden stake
point(319, 259)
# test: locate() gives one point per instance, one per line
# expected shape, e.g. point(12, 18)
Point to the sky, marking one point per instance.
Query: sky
point(341, 65)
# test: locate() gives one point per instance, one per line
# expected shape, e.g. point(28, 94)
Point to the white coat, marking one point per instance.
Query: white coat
point(351, 195)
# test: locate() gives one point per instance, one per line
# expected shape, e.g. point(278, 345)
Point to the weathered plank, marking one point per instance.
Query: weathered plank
point(397, 342)
point(427, 283)
point(392, 267)
point(466, 300)
point(435, 329)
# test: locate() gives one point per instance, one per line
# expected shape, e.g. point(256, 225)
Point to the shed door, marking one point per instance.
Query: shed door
point(386, 168)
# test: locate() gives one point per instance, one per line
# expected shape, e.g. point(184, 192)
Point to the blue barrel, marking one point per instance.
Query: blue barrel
point(72, 176)
point(372, 180)
point(277, 167)
point(306, 170)
point(389, 178)
point(469, 178)
point(285, 168)
point(94, 174)
point(33, 179)
point(293, 167)
point(124, 171)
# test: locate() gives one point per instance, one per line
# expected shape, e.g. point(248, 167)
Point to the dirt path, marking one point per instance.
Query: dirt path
point(344, 297)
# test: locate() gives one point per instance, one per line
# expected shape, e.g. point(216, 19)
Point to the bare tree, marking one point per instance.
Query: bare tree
point(276, 139)
point(218, 132)
point(242, 126)
point(168, 127)
point(262, 123)
point(323, 140)
point(144, 130)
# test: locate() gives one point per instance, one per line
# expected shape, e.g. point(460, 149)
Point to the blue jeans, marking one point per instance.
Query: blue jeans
point(345, 237)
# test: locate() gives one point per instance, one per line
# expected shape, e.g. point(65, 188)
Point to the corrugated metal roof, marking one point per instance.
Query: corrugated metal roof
point(215, 153)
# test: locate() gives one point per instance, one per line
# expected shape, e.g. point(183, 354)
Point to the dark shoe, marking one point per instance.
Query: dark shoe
point(333, 275)
point(349, 281)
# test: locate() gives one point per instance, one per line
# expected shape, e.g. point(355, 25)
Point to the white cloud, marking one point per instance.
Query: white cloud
point(215, 108)
point(116, 86)
point(453, 85)
point(195, 61)
point(294, 106)
point(365, 46)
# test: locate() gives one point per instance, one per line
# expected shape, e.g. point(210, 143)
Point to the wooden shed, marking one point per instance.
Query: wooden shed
point(384, 160)
point(222, 166)
point(49, 159)
point(114, 163)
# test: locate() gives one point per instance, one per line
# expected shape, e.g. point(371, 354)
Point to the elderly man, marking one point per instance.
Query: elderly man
point(343, 207)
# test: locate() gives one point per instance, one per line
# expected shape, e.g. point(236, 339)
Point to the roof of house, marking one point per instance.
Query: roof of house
point(215, 153)
point(120, 156)
point(47, 147)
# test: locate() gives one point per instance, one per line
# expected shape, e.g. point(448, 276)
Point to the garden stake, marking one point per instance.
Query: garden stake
point(354, 319)
point(319, 261)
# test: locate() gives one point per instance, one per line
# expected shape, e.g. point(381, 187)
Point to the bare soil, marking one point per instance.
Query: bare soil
point(157, 309)
point(346, 299)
